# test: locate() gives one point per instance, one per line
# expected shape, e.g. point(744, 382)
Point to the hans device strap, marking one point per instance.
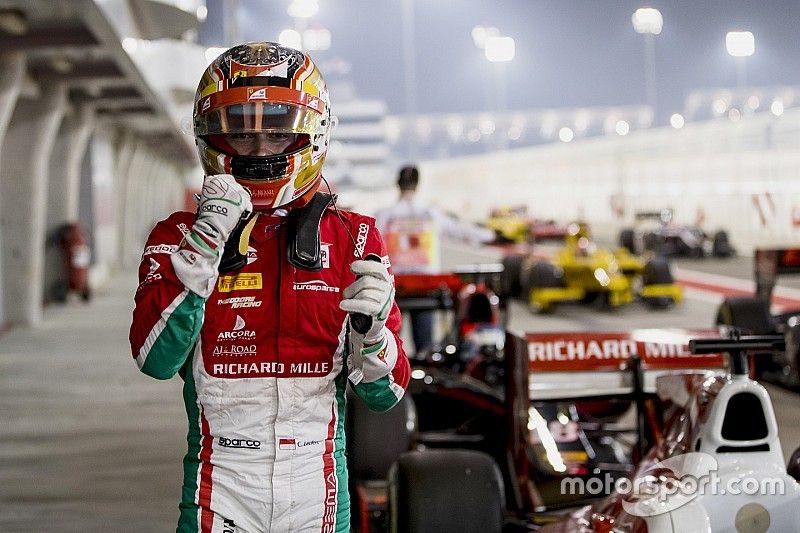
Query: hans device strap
point(304, 248)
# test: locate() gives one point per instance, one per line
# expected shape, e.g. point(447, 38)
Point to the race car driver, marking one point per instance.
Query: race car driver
point(264, 304)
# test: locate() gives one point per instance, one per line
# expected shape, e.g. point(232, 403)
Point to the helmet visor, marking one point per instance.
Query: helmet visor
point(252, 117)
point(258, 144)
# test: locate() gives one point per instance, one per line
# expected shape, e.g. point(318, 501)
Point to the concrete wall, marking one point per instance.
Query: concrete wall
point(13, 66)
point(741, 176)
point(24, 172)
point(63, 191)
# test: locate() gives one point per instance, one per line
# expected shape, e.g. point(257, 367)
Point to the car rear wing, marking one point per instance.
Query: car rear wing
point(436, 291)
point(768, 264)
point(574, 365)
point(664, 215)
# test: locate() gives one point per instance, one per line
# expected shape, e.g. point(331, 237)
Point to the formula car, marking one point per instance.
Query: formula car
point(514, 225)
point(753, 314)
point(582, 272)
point(465, 407)
point(656, 232)
point(503, 462)
point(717, 465)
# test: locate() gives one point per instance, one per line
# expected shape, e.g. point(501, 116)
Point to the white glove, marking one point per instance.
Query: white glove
point(223, 203)
point(371, 294)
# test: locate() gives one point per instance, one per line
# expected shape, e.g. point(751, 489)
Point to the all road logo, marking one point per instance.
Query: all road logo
point(238, 332)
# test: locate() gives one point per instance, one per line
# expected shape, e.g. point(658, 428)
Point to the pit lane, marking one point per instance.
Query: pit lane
point(90, 444)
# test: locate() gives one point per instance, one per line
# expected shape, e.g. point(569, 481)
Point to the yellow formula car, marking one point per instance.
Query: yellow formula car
point(582, 272)
point(514, 225)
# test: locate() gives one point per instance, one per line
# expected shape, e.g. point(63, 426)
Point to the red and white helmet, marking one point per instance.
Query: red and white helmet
point(257, 88)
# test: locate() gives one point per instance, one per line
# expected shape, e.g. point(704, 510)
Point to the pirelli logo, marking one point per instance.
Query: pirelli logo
point(240, 282)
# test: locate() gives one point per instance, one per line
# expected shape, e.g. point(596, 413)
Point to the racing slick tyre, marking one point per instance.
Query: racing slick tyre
point(751, 315)
point(541, 275)
point(721, 246)
point(510, 282)
point(651, 243)
point(369, 453)
point(446, 491)
point(627, 239)
point(657, 272)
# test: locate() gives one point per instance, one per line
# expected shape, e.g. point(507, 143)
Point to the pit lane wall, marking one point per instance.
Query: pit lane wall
point(740, 176)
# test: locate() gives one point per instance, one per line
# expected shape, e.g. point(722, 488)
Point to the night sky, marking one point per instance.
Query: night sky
point(568, 52)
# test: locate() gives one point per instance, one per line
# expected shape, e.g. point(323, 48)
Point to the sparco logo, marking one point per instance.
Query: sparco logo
point(361, 240)
point(238, 332)
point(215, 208)
point(239, 443)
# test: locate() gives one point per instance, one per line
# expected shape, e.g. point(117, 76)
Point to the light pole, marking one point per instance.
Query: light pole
point(740, 45)
point(410, 71)
point(300, 11)
point(649, 22)
point(500, 49)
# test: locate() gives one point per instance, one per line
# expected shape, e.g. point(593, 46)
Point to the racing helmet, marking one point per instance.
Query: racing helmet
point(262, 114)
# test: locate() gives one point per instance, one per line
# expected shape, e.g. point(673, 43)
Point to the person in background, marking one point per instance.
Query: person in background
point(266, 305)
point(414, 233)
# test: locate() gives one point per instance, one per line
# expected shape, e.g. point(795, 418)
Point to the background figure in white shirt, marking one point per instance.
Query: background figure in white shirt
point(413, 233)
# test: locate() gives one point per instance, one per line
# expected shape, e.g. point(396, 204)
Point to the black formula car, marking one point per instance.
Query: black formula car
point(753, 314)
point(493, 422)
point(655, 232)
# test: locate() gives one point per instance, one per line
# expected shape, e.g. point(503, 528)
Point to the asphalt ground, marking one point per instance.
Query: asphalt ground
point(87, 443)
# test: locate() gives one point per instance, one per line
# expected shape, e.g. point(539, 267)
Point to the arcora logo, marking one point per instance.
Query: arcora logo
point(238, 332)
point(316, 285)
point(251, 255)
point(153, 275)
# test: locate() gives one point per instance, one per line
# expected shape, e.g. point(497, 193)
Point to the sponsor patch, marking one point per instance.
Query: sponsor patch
point(260, 94)
point(238, 332)
point(286, 444)
point(239, 443)
point(238, 302)
point(160, 249)
point(361, 240)
point(325, 254)
point(239, 282)
point(316, 285)
point(234, 350)
point(251, 255)
point(183, 228)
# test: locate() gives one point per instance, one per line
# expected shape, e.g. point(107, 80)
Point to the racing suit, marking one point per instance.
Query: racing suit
point(265, 362)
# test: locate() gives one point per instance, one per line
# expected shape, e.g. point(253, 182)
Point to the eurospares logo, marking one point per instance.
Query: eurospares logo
point(316, 285)
point(239, 282)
